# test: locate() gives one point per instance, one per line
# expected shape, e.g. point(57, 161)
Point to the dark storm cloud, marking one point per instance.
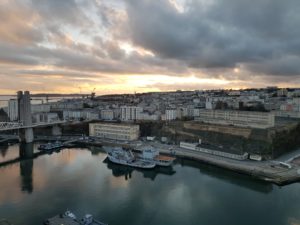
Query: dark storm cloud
point(221, 33)
point(66, 11)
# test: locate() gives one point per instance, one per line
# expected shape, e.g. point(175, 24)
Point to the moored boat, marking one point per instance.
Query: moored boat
point(127, 158)
point(51, 146)
point(150, 154)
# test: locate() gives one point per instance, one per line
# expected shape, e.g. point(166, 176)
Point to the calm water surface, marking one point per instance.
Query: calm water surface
point(187, 194)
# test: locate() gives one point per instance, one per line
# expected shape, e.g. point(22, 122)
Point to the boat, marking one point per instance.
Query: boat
point(127, 158)
point(149, 154)
point(69, 214)
point(70, 218)
point(51, 146)
point(89, 220)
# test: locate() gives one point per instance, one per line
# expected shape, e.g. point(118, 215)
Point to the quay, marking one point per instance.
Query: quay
point(270, 171)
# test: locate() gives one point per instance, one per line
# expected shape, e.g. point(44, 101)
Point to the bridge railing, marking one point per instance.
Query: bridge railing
point(18, 125)
point(10, 125)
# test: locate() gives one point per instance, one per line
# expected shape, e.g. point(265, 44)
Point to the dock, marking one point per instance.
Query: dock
point(270, 170)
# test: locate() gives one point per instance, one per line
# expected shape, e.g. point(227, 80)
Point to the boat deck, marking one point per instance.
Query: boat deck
point(164, 158)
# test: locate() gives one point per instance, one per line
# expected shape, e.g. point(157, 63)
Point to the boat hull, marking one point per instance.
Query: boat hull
point(137, 164)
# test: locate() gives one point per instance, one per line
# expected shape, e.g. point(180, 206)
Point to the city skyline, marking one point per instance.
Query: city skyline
point(147, 46)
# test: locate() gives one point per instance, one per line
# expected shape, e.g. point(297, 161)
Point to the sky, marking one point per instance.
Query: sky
point(127, 46)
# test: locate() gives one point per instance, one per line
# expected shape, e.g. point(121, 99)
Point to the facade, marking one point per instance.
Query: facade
point(42, 108)
point(115, 131)
point(13, 110)
point(130, 113)
point(261, 120)
point(80, 115)
point(171, 114)
point(107, 114)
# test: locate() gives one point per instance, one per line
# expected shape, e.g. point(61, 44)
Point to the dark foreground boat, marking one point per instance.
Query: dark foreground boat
point(69, 218)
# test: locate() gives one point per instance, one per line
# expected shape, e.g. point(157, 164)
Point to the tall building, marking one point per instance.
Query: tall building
point(13, 110)
point(24, 108)
point(130, 113)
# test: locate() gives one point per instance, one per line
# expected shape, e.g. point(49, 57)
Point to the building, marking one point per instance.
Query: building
point(171, 114)
point(42, 108)
point(86, 114)
point(24, 108)
point(130, 113)
point(261, 120)
point(107, 114)
point(115, 131)
point(13, 110)
point(44, 117)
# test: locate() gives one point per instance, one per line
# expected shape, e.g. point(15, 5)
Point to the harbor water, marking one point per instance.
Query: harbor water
point(189, 193)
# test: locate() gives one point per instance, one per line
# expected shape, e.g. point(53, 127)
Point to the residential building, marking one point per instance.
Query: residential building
point(107, 114)
point(13, 109)
point(237, 118)
point(130, 113)
point(171, 114)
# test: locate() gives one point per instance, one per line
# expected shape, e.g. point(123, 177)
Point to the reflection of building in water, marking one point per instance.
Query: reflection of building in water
point(26, 167)
point(3, 150)
point(126, 171)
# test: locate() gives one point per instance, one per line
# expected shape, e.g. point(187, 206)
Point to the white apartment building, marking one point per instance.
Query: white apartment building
point(80, 115)
point(13, 109)
point(261, 120)
point(130, 113)
point(171, 114)
point(107, 114)
point(115, 131)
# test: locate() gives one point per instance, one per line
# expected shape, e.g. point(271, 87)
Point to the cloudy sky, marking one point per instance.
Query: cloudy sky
point(126, 46)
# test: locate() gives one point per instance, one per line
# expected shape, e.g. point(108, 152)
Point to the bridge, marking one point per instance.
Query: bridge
point(6, 126)
point(24, 124)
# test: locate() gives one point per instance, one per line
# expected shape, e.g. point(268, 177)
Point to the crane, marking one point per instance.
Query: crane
point(93, 94)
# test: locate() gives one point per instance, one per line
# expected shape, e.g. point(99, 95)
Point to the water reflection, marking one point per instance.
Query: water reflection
point(26, 167)
point(126, 171)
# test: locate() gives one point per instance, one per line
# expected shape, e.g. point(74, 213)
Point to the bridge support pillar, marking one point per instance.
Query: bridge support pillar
point(26, 135)
point(56, 130)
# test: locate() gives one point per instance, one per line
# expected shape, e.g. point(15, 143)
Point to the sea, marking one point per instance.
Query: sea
point(188, 193)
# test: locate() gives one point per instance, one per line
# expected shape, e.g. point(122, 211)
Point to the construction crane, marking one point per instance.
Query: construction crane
point(93, 94)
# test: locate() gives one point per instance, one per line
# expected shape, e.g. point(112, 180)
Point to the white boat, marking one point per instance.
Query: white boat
point(127, 158)
point(150, 154)
point(70, 215)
